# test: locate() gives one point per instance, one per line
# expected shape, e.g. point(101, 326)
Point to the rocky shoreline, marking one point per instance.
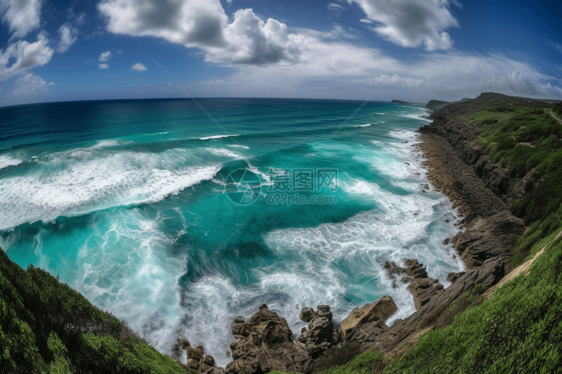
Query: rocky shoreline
point(482, 192)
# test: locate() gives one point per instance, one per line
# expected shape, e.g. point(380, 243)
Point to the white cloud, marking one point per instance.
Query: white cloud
point(138, 67)
point(359, 72)
point(411, 23)
point(204, 24)
point(335, 8)
point(68, 36)
point(189, 22)
point(29, 85)
point(27, 56)
point(103, 66)
point(269, 60)
point(104, 56)
point(250, 40)
point(22, 16)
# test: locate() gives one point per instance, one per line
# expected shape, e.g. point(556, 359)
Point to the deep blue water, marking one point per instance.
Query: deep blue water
point(126, 202)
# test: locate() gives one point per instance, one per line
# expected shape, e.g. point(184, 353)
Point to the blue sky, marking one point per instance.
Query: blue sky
point(344, 49)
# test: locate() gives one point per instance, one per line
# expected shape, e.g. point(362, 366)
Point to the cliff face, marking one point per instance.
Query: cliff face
point(458, 136)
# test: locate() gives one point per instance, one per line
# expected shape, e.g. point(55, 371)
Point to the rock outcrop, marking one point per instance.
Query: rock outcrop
point(423, 319)
point(489, 237)
point(264, 345)
point(420, 285)
point(374, 314)
point(320, 335)
point(196, 358)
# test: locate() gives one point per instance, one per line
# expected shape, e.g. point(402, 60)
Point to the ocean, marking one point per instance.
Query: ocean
point(178, 219)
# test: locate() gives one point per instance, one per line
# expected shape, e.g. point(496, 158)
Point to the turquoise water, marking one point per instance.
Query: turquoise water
point(125, 201)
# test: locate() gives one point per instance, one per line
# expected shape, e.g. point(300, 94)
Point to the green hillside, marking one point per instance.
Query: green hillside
point(47, 327)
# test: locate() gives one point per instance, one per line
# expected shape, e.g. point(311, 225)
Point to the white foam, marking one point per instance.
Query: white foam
point(416, 117)
point(224, 152)
point(238, 146)
point(216, 137)
point(108, 143)
point(71, 185)
point(214, 301)
point(6, 161)
point(125, 268)
point(397, 229)
point(367, 125)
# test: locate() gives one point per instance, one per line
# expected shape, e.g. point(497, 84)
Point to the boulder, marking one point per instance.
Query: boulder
point(307, 314)
point(196, 359)
point(264, 345)
point(423, 290)
point(452, 277)
point(380, 310)
point(414, 269)
point(214, 371)
point(321, 334)
point(367, 332)
point(421, 286)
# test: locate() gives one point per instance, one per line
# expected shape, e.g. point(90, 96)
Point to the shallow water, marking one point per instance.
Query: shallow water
point(126, 202)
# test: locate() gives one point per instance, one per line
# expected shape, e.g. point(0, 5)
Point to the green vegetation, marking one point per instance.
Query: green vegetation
point(527, 139)
point(557, 108)
point(47, 327)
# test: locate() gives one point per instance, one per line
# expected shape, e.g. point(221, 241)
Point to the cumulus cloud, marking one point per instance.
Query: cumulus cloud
point(104, 56)
point(269, 60)
point(411, 23)
point(189, 22)
point(29, 85)
point(204, 24)
point(103, 66)
point(22, 16)
point(138, 67)
point(27, 56)
point(68, 36)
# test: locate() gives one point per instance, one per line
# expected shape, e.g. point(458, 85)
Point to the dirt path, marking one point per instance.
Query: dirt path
point(521, 269)
point(556, 118)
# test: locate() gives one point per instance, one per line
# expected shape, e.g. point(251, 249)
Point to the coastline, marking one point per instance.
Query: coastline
point(488, 232)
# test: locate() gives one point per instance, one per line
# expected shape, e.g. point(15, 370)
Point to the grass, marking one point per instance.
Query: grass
point(47, 327)
point(502, 131)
